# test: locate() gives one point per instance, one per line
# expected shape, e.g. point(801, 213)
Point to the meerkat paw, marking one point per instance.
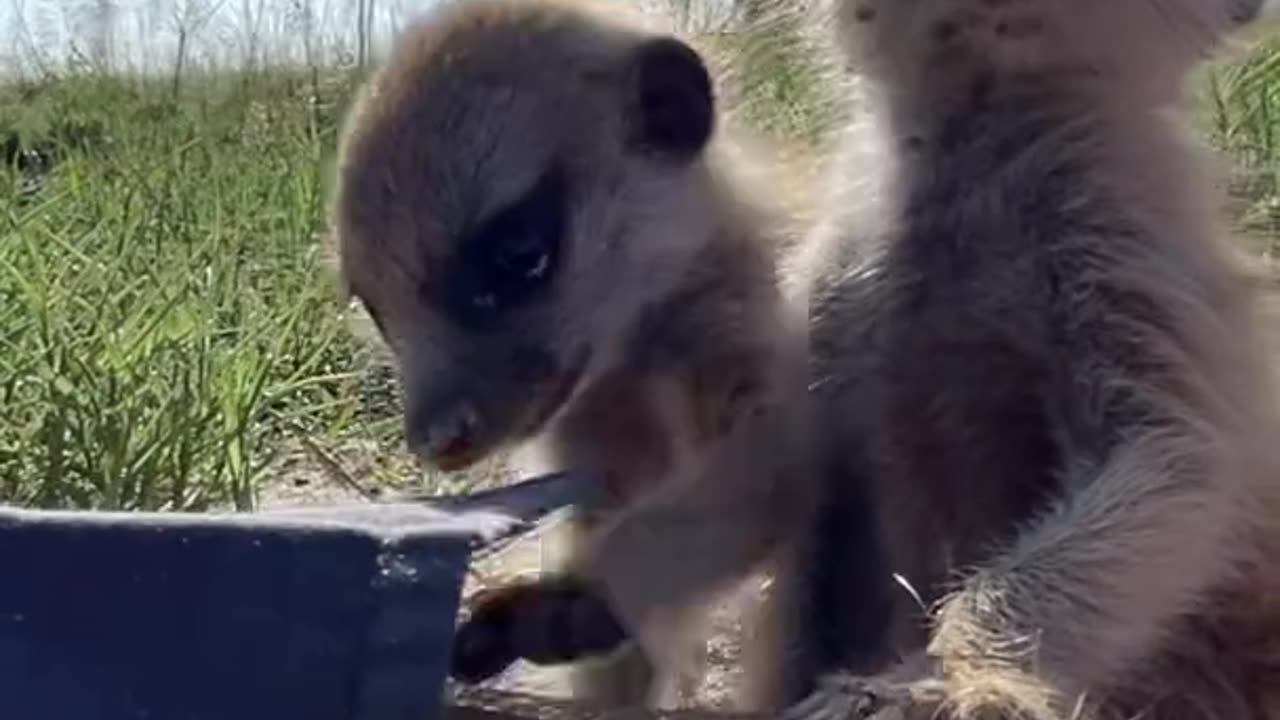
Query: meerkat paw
point(848, 697)
point(547, 621)
point(484, 645)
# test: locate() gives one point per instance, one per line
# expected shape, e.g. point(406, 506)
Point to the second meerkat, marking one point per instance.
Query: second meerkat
point(1035, 344)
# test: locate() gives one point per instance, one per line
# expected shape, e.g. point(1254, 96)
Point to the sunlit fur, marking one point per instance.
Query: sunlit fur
point(1026, 310)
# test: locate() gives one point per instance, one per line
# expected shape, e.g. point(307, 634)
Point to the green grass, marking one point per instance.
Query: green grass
point(166, 315)
point(168, 324)
point(1239, 105)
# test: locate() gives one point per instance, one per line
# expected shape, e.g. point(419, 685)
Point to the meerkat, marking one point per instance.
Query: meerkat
point(1039, 356)
point(567, 253)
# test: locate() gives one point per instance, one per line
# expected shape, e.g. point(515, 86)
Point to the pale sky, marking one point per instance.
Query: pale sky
point(144, 32)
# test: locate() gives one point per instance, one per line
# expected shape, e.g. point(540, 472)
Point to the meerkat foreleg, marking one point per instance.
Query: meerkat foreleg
point(1160, 462)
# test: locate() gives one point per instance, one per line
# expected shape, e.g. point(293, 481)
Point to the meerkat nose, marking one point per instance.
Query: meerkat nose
point(446, 436)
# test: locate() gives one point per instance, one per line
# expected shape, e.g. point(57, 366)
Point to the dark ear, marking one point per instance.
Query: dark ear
point(1244, 12)
point(672, 109)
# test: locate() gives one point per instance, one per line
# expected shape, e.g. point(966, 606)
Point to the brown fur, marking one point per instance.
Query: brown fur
point(662, 352)
point(1046, 366)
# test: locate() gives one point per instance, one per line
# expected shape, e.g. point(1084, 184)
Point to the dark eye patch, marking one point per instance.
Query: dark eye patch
point(510, 260)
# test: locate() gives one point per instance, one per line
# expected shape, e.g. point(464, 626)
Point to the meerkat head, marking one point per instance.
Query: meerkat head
point(1143, 48)
point(515, 184)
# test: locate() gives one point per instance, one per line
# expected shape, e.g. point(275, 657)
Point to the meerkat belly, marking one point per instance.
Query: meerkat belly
point(962, 450)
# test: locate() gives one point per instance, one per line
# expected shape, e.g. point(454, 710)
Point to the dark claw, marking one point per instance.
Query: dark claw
point(551, 621)
point(480, 651)
point(483, 646)
point(479, 654)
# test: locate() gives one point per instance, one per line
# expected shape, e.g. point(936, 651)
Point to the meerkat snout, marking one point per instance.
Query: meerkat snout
point(457, 410)
point(445, 433)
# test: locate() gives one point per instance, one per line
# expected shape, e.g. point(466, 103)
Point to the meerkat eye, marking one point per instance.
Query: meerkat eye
point(518, 248)
point(512, 258)
point(523, 256)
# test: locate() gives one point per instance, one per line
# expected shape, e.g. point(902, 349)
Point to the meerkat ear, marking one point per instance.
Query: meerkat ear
point(1244, 12)
point(672, 109)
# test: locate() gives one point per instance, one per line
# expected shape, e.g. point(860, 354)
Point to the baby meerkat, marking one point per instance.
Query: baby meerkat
point(565, 251)
point(1036, 350)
